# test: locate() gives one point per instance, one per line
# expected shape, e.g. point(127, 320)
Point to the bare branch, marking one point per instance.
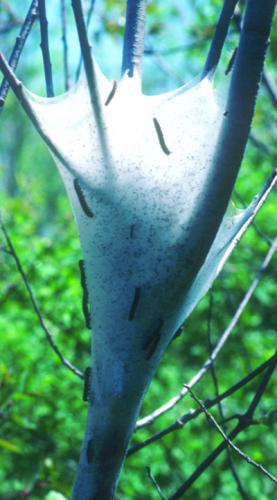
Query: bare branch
point(166, 67)
point(261, 389)
point(12, 18)
point(88, 20)
point(266, 77)
point(6, 28)
point(90, 74)
point(18, 47)
point(220, 406)
point(258, 231)
point(133, 37)
point(244, 422)
point(154, 482)
point(251, 212)
point(90, 12)
point(260, 145)
point(45, 48)
point(219, 36)
point(270, 87)
point(226, 438)
point(209, 403)
point(35, 305)
point(65, 45)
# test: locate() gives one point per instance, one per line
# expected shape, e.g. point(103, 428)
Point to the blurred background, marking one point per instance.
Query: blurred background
point(42, 414)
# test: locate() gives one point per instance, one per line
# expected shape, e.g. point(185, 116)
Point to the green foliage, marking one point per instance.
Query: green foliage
point(42, 414)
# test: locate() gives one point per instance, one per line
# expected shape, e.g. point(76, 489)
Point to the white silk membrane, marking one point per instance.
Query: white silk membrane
point(134, 205)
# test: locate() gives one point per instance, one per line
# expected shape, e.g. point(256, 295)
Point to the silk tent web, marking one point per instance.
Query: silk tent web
point(149, 186)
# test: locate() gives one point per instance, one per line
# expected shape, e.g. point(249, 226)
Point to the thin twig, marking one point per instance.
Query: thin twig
point(18, 47)
point(88, 20)
point(90, 12)
point(12, 21)
point(45, 48)
point(260, 145)
point(261, 388)
point(219, 36)
point(231, 464)
point(150, 51)
point(155, 483)
point(251, 212)
point(90, 74)
point(258, 231)
point(209, 335)
point(270, 87)
point(257, 203)
point(167, 68)
point(209, 403)
point(245, 421)
point(65, 45)
point(226, 438)
point(35, 305)
point(6, 28)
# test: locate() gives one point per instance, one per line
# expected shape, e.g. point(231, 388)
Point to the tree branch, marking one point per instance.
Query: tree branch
point(261, 389)
point(45, 48)
point(211, 419)
point(266, 78)
point(260, 145)
point(90, 74)
point(209, 403)
point(65, 45)
point(270, 87)
point(35, 305)
point(244, 422)
point(12, 19)
point(133, 37)
point(219, 404)
point(219, 36)
point(155, 483)
point(18, 47)
point(88, 20)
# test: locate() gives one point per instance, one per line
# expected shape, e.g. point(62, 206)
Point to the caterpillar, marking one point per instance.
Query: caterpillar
point(85, 301)
point(161, 137)
point(231, 62)
point(151, 344)
point(112, 93)
point(81, 199)
point(134, 304)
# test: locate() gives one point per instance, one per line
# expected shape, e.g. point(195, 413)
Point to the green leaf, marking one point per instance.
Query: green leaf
point(9, 446)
